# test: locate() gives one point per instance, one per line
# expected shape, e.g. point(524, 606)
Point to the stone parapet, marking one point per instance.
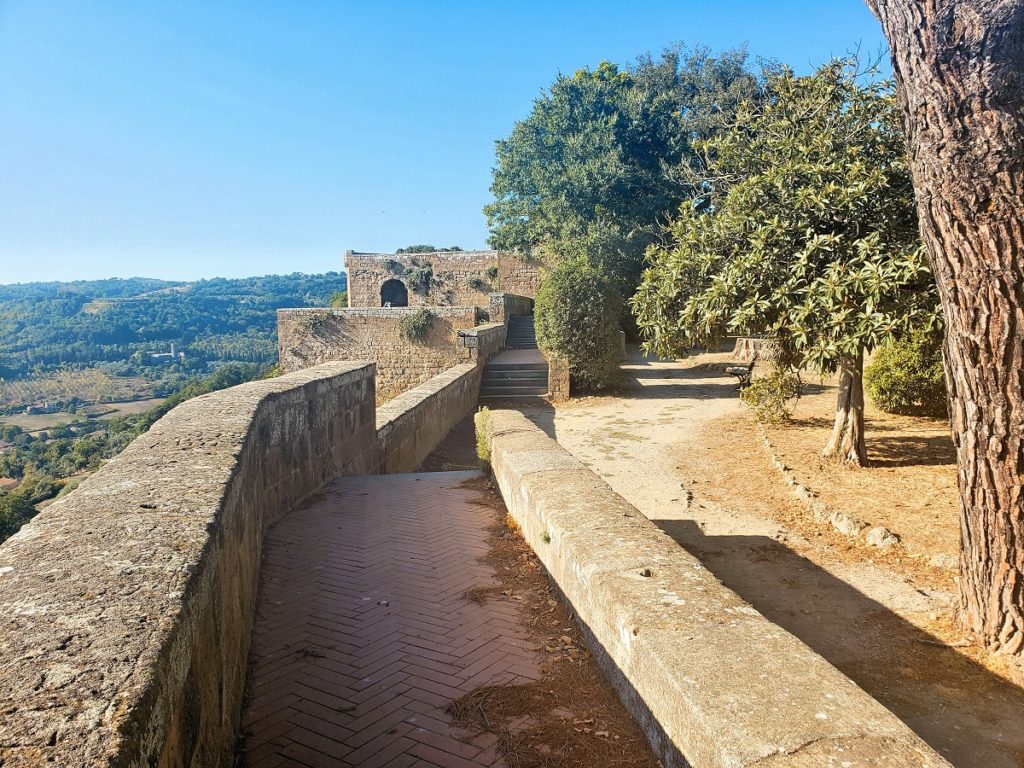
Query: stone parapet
point(126, 607)
point(482, 343)
point(410, 426)
point(711, 681)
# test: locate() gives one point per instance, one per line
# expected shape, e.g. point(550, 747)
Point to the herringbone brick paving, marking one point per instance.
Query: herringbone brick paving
point(363, 633)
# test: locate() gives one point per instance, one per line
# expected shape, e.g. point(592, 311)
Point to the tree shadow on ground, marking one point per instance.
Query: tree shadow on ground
point(910, 451)
point(972, 716)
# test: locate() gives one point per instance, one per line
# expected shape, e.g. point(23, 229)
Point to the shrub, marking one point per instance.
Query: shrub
point(577, 315)
point(907, 376)
point(492, 273)
point(414, 325)
point(773, 397)
point(475, 282)
point(419, 277)
point(393, 266)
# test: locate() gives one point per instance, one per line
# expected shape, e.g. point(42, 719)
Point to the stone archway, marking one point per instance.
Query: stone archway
point(393, 293)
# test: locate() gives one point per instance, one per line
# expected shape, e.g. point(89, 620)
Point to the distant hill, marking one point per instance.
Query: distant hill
point(119, 323)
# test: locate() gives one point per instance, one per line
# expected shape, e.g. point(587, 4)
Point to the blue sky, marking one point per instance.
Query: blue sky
point(192, 139)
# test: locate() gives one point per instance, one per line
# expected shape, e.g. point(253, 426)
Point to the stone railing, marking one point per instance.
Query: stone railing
point(126, 607)
point(710, 680)
point(410, 426)
point(480, 344)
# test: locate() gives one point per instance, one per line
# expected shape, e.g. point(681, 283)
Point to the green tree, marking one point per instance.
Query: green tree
point(607, 154)
point(577, 315)
point(809, 235)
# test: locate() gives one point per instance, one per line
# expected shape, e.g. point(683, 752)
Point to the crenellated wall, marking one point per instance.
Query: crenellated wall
point(126, 607)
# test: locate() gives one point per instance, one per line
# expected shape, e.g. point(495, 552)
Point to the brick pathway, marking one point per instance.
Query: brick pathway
point(363, 635)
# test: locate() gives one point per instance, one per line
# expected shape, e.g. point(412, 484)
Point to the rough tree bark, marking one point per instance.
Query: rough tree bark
point(846, 446)
point(959, 69)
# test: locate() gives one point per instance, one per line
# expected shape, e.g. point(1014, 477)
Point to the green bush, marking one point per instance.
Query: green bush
point(907, 376)
point(419, 277)
point(414, 325)
point(475, 282)
point(492, 273)
point(773, 397)
point(577, 315)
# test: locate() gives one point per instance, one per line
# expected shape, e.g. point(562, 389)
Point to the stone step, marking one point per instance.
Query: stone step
point(505, 391)
point(505, 375)
point(516, 367)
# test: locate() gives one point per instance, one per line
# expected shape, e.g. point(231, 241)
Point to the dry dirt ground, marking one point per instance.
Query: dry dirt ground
point(678, 444)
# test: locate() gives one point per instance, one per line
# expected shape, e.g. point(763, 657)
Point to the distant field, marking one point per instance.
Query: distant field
point(91, 385)
point(129, 408)
point(37, 422)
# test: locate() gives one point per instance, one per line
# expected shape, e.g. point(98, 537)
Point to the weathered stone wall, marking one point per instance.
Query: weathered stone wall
point(482, 343)
point(414, 423)
point(559, 378)
point(308, 337)
point(517, 275)
point(126, 607)
point(506, 305)
point(712, 682)
point(461, 278)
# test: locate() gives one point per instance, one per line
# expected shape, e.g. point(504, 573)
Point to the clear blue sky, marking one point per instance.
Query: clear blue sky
point(193, 138)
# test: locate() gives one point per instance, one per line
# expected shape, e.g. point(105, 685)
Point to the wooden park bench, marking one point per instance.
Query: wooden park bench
point(743, 373)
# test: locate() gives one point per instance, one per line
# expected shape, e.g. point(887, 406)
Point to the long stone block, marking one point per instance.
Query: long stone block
point(711, 681)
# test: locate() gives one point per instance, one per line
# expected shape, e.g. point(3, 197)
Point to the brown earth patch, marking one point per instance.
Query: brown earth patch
point(572, 717)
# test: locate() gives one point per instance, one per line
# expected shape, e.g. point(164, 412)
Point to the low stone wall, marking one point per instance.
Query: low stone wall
point(506, 305)
point(308, 337)
point(482, 343)
point(559, 378)
point(126, 607)
point(711, 681)
point(414, 423)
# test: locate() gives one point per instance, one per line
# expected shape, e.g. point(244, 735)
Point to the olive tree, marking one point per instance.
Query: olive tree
point(806, 234)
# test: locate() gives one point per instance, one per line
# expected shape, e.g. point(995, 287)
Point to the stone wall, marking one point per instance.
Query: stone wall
point(711, 681)
point(126, 607)
point(414, 423)
point(482, 343)
point(308, 337)
point(460, 278)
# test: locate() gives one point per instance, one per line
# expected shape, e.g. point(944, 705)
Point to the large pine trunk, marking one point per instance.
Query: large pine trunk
point(959, 70)
point(846, 446)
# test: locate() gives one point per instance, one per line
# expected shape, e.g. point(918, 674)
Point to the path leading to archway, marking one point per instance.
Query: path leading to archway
point(364, 634)
point(864, 618)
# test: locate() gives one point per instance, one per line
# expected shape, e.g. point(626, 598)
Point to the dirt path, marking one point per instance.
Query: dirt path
point(653, 443)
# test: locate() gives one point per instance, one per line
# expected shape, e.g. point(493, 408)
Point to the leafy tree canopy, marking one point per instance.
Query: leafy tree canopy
point(607, 152)
point(807, 230)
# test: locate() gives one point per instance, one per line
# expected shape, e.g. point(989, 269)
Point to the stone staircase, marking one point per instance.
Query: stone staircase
point(521, 333)
point(520, 372)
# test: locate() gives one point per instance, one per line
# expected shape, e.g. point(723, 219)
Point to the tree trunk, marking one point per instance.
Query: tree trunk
point(959, 70)
point(846, 445)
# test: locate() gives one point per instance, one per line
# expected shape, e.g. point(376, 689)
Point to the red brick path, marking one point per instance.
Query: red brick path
point(363, 635)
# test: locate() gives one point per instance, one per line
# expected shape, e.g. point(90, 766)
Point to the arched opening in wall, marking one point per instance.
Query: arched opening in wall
point(394, 294)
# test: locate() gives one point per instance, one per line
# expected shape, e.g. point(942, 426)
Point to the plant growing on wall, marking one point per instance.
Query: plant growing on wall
point(394, 267)
point(492, 273)
point(315, 321)
point(475, 283)
point(419, 277)
point(414, 325)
